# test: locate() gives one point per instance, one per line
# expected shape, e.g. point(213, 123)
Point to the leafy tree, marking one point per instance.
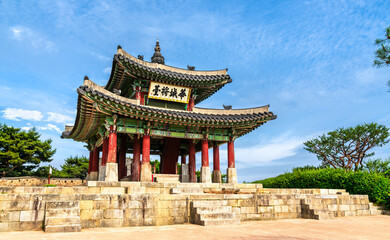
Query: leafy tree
point(74, 167)
point(43, 171)
point(22, 151)
point(382, 54)
point(347, 147)
point(378, 166)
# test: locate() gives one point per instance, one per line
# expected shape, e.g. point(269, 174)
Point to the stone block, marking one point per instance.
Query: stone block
point(25, 226)
point(86, 204)
point(93, 176)
point(146, 172)
point(102, 173)
point(113, 190)
point(4, 227)
point(113, 213)
point(32, 216)
point(135, 213)
point(205, 175)
point(231, 175)
point(91, 214)
point(111, 174)
point(217, 177)
point(90, 223)
point(111, 222)
point(153, 190)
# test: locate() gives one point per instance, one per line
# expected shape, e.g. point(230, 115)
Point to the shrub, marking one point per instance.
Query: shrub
point(375, 185)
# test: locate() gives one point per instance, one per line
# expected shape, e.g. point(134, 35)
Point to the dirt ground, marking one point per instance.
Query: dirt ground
point(367, 227)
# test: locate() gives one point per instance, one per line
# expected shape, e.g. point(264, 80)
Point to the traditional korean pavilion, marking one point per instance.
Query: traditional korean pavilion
point(149, 108)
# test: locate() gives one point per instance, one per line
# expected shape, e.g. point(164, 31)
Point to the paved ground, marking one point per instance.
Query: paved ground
point(372, 227)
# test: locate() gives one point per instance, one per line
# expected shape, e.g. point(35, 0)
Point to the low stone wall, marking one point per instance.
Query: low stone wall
point(35, 181)
point(104, 204)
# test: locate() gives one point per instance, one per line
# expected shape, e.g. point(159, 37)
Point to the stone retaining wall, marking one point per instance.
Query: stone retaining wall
point(144, 204)
point(35, 181)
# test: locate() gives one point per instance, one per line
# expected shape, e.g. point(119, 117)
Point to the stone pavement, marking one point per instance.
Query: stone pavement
point(362, 227)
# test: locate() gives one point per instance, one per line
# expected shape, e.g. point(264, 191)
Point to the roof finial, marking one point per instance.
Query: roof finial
point(157, 57)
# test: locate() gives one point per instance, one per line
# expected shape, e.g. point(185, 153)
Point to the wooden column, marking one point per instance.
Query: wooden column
point(146, 149)
point(122, 169)
point(146, 170)
point(112, 142)
point(191, 104)
point(95, 160)
point(205, 174)
point(231, 161)
point(138, 93)
point(231, 171)
point(111, 168)
point(135, 170)
point(191, 161)
point(216, 158)
point(205, 153)
point(105, 151)
point(183, 159)
point(90, 161)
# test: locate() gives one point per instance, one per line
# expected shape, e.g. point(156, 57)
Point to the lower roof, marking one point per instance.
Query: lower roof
point(96, 103)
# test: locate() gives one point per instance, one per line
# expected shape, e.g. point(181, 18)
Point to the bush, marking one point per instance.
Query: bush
point(375, 185)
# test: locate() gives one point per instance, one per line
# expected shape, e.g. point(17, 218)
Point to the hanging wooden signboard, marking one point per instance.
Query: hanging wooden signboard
point(168, 92)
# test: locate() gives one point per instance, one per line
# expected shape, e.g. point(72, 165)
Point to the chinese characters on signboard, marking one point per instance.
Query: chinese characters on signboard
point(169, 92)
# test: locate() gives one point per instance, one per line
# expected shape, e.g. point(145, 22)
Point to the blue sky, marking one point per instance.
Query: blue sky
point(310, 60)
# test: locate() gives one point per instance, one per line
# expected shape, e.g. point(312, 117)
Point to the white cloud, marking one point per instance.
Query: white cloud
point(268, 151)
point(28, 36)
point(100, 56)
point(58, 118)
point(107, 70)
point(51, 127)
point(21, 114)
point(26, 128)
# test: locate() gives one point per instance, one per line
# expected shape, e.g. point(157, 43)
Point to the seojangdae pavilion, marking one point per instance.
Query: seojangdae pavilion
point(149, 108)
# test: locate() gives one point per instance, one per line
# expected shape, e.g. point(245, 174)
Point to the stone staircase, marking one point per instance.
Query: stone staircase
point(332, 206)
point(186, 190)
point(62, 217)
point(213, 213)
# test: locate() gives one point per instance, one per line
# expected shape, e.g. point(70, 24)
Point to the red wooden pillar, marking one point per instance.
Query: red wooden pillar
point(90, 161)
point(122, 169)
point(146, 170)
point(138, 93)
point(216, 158)
point(145, 149)
point(183, 159)
point(95, 160)
point(231, 161)
point(205, 153)
point(135, 170)
point(191, 161)
point(112, 142)
point(105, 151)
point(191, 104)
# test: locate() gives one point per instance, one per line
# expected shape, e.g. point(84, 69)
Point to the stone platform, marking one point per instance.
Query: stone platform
point(118, 204)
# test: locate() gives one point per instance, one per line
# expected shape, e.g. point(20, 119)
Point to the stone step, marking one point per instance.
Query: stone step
point(63, 228)
point(324, 216)
point(183, 190)
point(70, 220)
point(62, 205)
point(221, 216)
point(219, 203)
point(219, 222)
point(220, 209)
point(64, 212)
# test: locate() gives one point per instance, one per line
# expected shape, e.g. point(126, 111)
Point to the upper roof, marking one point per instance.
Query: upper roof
point(126, 69)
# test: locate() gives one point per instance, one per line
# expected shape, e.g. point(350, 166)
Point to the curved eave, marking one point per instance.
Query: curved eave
point(87, 120)
point(127, 68)
point(107, 103)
